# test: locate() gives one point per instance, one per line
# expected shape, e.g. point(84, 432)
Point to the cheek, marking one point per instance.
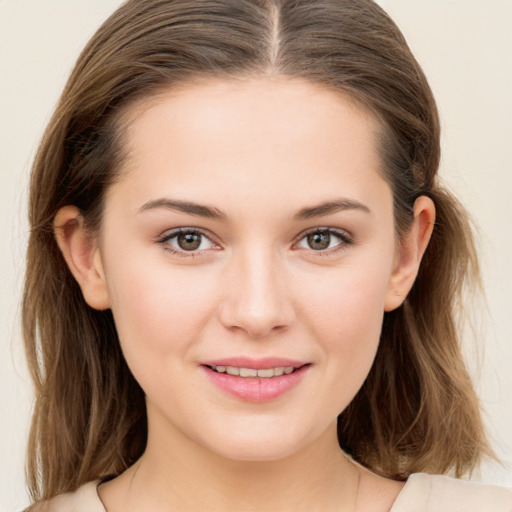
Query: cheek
point(349, 302)
point(353, 334)
point(346, 310)
point(159, 313)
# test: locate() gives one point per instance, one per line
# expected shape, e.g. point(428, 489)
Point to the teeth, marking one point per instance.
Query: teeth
point(248, 372)
point(266, 373)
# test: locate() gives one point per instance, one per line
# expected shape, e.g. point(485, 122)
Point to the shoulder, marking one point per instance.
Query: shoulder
point(439, 493)
point(84, 499)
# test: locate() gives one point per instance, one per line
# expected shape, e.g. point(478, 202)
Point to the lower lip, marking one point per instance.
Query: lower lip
point(256, 389)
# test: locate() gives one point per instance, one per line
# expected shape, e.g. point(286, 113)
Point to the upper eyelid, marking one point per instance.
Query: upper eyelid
point(171, 233)
point(336, 231)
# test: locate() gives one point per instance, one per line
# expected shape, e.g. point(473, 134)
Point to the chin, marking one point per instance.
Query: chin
point(267, 445)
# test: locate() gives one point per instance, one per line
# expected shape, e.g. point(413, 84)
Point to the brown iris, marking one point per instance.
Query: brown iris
point(189, 241)
point(319, 240)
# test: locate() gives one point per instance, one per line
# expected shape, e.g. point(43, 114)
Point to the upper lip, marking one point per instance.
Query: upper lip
point(256, 364)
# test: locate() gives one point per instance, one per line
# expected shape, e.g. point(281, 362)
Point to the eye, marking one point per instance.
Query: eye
point(324, 239)
point(184, 241)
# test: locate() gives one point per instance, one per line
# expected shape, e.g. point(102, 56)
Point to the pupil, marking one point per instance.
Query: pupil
point(319, 241)
point(189, 241)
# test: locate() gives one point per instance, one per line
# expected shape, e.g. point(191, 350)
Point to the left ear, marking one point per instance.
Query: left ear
point(411, 249)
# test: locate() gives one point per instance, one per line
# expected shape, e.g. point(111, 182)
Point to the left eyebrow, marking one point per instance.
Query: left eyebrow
point(330, 207)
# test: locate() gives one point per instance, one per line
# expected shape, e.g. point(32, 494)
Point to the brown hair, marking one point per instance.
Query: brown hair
point(417, 410)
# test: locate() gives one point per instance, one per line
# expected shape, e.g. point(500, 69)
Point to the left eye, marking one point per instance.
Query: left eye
point(321, 240)
point(188, 241)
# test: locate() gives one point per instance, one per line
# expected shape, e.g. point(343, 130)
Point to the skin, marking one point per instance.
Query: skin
point(259, 151)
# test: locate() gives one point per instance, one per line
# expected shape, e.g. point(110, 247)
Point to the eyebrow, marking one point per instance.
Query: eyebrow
point(189, 207)
point(210, 212)
point(330, 207)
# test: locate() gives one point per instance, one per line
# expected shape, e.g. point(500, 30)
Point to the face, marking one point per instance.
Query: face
point(250, 235)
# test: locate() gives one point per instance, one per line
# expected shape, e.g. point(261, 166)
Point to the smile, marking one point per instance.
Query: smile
point(255, 380)
point(264, 373)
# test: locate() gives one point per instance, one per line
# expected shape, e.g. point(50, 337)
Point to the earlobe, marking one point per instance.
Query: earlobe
point(82, 255)
point(410, 252)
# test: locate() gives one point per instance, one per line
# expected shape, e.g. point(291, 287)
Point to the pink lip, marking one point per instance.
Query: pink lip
point(257, 364)
point(255, 389)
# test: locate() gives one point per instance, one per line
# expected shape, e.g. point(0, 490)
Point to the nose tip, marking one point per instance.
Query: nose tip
point(256, 324)
point(257, 302)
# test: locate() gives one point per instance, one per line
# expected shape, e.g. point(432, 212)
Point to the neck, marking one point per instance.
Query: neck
point(178, 474)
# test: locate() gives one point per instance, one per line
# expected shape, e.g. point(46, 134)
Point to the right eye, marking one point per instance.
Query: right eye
point(183, 241)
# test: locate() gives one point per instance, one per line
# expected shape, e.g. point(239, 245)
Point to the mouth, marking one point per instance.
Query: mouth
point(255, 380)
point(263, 373)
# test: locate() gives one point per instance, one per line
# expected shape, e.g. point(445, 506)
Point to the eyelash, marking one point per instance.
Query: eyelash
point(164, 241)
point(344, 237)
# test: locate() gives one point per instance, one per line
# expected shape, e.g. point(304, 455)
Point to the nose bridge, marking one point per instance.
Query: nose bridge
point(257, 298)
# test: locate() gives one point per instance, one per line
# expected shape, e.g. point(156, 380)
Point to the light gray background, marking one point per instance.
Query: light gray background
point(465, 47)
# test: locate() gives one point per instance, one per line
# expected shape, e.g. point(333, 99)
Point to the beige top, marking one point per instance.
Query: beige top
point(421, 493)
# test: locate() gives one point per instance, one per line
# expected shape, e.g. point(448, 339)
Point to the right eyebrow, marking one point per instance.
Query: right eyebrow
point(189, 207)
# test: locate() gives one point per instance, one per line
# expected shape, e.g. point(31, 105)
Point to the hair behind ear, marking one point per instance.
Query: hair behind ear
point(79, 431)
point(418, 410)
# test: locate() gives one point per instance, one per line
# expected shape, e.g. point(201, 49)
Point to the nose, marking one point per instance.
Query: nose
point(256, 299)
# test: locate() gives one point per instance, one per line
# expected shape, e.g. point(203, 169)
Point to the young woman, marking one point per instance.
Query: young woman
point(243, 273)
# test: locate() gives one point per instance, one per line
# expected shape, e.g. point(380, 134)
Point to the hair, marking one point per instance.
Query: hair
point(417, 410)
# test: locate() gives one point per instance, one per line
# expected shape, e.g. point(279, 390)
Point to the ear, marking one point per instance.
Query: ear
point(80, 250)
point(410, 252)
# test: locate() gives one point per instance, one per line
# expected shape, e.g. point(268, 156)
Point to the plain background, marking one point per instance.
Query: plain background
point(465, 48)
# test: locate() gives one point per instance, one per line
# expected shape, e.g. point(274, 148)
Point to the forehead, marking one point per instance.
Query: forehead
point(251, 137)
